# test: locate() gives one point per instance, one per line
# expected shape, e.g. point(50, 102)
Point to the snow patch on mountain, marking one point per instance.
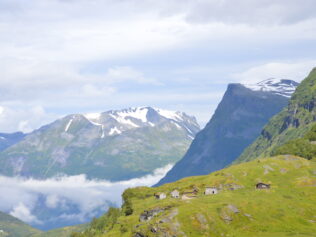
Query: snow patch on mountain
point(283, 87)
point(68, 125)
point(93, 116)
point(123, 120)
point(174, 115)
point(137, 113)
point(114, 130)
point(137, 117)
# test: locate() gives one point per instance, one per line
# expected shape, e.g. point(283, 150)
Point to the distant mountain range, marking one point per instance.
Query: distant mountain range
point(114, 145)
point(236, 123)
point(13, 227)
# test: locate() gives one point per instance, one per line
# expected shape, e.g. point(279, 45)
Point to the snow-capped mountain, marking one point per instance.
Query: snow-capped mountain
point(284, 87)
point(115, 122)
point(115, 145)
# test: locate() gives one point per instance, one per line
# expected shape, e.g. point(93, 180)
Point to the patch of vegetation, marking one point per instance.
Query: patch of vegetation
point(102, 224)
point(304, 147)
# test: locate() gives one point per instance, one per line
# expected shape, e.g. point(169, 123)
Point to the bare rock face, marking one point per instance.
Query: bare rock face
point(233, 208)
point(228, 212)
point(138, 234)
point(149, 214)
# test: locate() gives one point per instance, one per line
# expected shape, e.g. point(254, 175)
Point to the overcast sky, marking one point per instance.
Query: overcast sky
point(73, 56)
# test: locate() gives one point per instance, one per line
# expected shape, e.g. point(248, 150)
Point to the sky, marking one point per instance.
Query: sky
point(59, 57)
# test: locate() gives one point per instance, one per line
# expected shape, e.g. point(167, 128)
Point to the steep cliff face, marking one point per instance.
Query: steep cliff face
point(236, 123)
point(292, 122)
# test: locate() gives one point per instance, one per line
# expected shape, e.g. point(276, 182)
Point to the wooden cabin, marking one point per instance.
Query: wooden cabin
point(211, 190)
point(175, 194)
point(160, 195)
point(262, 186)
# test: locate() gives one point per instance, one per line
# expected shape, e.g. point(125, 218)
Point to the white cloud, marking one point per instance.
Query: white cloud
point(270, 12)
point(17, 116)
point(47, 47)
point(21, 212)
point(287, 70)
point(22, 195)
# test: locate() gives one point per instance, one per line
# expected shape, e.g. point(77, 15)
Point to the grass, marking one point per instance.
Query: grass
point(287, 209)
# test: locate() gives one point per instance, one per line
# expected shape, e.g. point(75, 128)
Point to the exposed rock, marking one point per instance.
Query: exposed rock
point(138, 234)
point(149, 214)
point(227, 213)
point(248, 215)
point(169, 218)
point(154, 229)
point(201, 218)
point(233, 208)
point(283, 170)
point(267, 169)
point(226, 217)
point(233, 186)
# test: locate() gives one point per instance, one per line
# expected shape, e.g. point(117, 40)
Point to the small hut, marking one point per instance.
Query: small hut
point(160, 195)
point(262, 186)
point(175, 194)
point(210, 190)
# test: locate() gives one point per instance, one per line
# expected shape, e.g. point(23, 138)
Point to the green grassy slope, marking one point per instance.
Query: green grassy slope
point(304, 147)
point(13, 227)
point(292, 123)
point(287, 209)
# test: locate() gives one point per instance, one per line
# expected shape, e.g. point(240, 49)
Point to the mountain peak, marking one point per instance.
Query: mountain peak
point(283, 87)
point(114, 122)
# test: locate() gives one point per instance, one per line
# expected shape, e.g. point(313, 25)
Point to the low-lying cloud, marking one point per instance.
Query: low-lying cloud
point(65, 200)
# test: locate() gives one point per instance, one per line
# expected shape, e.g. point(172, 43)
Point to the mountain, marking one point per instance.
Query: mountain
point(293, 122)
point(62, 232)
point(114, 145)
point(285, 208)
point(13, 227)
point(236, 123)
point(9, 139)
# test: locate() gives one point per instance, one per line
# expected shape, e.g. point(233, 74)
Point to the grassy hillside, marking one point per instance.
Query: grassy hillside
point(13, 227)
point(292, 123)
point(286, 209)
